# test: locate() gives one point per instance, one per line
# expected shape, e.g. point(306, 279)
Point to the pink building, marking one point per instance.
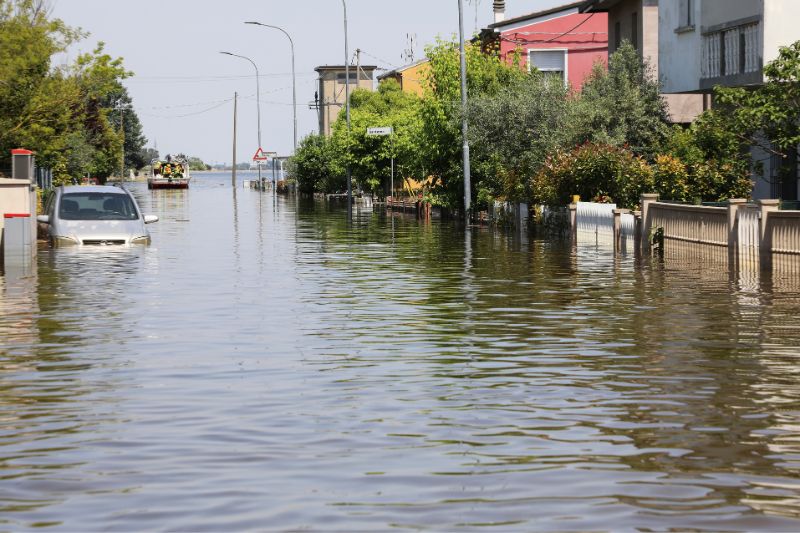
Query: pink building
point(560, 41)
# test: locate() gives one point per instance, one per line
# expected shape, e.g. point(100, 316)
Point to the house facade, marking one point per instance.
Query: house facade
point(329, 99)
point(722, 42)
point(410, 77)
point(638, 21)
point(705, 43)
point(560, 42)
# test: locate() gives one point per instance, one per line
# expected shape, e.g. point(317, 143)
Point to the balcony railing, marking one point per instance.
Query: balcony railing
point(732, 51)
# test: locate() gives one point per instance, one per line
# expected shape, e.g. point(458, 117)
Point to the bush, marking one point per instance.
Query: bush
point(595, 172)
point(671, 179)
point(714, 164)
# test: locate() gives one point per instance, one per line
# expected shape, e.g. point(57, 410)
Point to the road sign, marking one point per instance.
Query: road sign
point(379, 131)
point(260, 155)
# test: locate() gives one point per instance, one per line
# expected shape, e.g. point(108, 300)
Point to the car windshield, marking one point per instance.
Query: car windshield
point(97, 206)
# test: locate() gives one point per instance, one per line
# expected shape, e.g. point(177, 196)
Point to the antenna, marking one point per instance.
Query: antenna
point(476, 3)
point(408, 53)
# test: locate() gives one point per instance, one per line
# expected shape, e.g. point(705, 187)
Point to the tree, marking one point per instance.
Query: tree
point(596, 172)
point(767, 116)
point(622, 105)
point(513, 131)
point(370, 157)
point(440, 139)
point(64, 113)
point(314, 168)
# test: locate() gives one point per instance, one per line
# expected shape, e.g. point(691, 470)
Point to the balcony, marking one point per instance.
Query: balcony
point(732, 56)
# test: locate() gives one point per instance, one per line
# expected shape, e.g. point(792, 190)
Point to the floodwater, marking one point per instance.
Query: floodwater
point(263, 365)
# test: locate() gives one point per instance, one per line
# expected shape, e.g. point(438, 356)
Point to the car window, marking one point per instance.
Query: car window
point(97, 206)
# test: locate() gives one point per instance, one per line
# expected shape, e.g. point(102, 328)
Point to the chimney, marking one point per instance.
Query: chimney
point(499, 10)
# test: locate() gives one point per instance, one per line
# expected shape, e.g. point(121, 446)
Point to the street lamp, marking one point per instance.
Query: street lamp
point(347, 110)
point(294, 79)
point(258, 105)
point(467, 193)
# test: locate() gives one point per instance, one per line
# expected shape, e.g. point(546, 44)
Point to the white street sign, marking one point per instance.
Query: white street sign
point(379, 131)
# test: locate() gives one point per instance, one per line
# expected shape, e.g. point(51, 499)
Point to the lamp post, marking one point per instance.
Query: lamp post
point(258, 105)
point(347, 110)
point(294, 79)
point(467, 193)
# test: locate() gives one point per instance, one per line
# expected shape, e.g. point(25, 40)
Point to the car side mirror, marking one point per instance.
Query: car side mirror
point(44, 219)
point(149, 219)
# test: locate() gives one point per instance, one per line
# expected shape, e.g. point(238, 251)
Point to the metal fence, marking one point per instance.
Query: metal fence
point(595, 222)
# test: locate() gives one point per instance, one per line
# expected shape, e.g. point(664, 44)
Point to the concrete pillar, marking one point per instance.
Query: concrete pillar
point(637, 232)
point(733, 230)
point(618, 228)
point(765, 230)
point(645, 201)
point(573, 221)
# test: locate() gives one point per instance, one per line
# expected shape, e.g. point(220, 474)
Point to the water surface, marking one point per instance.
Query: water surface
point(263, 365)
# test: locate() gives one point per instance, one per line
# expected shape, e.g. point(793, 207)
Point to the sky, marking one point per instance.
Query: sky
point(183, 87)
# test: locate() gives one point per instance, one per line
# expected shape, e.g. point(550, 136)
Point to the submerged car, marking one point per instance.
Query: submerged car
point(95, 215)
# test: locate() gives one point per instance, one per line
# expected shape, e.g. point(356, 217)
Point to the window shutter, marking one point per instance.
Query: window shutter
point(548, 60)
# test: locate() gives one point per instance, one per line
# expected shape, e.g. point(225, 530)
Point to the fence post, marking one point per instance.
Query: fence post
point(733, 229)
point(765, 231)
point(637, 232)
point(617, 229)
point(645, 201)
point(573, 221)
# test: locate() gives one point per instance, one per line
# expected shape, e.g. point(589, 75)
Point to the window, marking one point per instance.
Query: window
point(635, 30)
point(353, 77)
point(550, 62)
point(686, 16)
point(96, 206)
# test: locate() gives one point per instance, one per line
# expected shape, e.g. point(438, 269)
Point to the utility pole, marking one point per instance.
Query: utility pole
point(122, 131)
point(347, 110)
point(467, 192)
point(233, 175)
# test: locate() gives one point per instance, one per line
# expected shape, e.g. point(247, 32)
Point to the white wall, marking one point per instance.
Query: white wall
point(679, 53)
point(781, 26)
point(714, 12)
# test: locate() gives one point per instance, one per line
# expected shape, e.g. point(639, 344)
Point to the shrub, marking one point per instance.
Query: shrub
point(593, 171)
point(671, 179)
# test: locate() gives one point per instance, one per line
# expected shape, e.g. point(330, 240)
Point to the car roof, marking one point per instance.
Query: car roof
point(108, 189)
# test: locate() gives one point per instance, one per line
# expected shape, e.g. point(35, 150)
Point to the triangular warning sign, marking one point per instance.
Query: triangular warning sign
point(261, 155)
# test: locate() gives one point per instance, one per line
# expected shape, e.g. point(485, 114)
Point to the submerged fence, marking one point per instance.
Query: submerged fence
point(746, 235)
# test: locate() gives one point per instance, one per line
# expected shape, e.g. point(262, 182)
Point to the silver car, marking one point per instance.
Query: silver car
point(96, 215)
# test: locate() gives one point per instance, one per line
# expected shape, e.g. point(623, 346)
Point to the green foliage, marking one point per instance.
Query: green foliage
point(596, 172)
point(767, 115)
point(622, 106)
point(706, 162)
point(369, 157)
point(523, 133)
point(314, 167)
point(441, 140)
point(62, 113)
point(513, 131)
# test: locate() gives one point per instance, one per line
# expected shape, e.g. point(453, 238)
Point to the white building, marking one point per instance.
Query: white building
point(705, 43)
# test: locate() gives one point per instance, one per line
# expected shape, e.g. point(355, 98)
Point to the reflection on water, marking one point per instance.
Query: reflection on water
point(263, 364)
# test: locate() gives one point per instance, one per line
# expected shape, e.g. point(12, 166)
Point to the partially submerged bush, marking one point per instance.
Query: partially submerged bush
point(593, 171)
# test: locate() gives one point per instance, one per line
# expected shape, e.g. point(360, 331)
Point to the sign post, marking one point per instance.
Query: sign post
point(258, 157)
point(382, 132)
